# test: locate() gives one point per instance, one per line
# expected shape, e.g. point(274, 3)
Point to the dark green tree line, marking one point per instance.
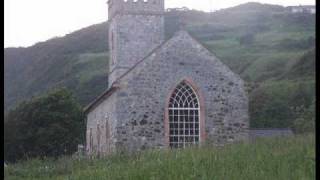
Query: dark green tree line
point(46, 126)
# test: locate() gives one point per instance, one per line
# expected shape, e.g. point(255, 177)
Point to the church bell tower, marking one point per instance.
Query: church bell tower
point(136, 27)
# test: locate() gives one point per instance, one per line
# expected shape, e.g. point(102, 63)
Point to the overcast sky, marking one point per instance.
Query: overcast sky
point(30, 21)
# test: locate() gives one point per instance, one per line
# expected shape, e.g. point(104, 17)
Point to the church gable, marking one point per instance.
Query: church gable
point(145, 89)
point(181, 53)
point(162, 94)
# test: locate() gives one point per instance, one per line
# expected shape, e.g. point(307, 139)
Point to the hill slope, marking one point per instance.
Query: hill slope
point(70, 61)
point(265, 44)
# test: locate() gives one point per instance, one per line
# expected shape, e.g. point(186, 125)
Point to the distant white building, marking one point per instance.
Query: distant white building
point(178, 9)
point(302, 9)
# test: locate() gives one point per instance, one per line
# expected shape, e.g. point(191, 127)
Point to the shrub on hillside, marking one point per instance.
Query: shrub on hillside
point(274, 104)
point(46, 126)
point(246, 39)
point(305, 123)
point(296, 44)
point(304, 67)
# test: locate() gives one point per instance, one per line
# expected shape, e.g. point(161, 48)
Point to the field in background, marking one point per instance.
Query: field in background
point(290, 158)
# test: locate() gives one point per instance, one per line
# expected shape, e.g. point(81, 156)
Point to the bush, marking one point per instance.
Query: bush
point(46, 126)
point(296, 44)
point(306, 122)
point(246, 39)
point(276, 104)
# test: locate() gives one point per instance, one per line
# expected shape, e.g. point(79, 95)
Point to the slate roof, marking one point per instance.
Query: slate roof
point(100, 98)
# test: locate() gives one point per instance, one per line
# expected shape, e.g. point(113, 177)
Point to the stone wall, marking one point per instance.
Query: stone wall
point(136, 111)
point(141, 99)
point(154, 7)
point(134, 37)
point(102, 118)
point(135, 29)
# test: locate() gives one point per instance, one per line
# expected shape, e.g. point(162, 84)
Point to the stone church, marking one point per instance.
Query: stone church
point(162, 93)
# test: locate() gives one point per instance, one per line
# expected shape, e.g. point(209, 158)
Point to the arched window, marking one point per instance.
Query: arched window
point(184, 116)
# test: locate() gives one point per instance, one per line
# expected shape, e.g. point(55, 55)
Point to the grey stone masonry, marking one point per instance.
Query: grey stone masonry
point(135, 29)
point(149, 7)
point(141, 99)
point(137, 108)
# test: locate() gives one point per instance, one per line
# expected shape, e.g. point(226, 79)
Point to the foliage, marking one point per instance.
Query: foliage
point(272, 103)
point(305, 123)
point(246, 39)
point(46, 126)
point(304, 67)
point(279, 158)
point(297, 44)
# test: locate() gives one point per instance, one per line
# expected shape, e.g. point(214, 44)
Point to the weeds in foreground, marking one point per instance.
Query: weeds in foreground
point(278, 158)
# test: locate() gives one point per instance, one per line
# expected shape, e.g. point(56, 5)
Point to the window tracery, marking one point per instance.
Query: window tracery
point(184, 117)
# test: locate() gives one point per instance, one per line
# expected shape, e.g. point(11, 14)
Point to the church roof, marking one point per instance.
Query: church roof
point(114, 86)
point(99, 99)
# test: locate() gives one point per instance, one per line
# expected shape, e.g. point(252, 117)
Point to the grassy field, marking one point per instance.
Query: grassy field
point(270, 159)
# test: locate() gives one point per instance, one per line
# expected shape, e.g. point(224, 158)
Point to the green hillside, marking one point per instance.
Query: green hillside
point(272, 49)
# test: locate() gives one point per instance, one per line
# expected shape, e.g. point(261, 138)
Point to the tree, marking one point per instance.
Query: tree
point(46, 126)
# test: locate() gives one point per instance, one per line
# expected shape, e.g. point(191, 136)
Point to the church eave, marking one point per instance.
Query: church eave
point(99, 99)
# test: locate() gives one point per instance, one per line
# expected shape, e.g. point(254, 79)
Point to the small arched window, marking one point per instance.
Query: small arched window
point(184, 116)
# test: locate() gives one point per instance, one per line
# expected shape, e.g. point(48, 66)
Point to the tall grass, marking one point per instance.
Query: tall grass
point(270, 159)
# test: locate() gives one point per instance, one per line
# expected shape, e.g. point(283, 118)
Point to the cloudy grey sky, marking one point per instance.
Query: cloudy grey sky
point(30, 21)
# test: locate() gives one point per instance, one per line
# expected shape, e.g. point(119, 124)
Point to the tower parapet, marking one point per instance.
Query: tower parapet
point(155, 7)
